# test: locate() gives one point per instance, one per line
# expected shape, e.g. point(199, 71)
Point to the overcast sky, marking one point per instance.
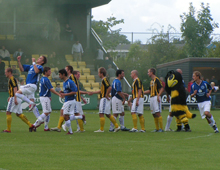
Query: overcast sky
point(148, 15)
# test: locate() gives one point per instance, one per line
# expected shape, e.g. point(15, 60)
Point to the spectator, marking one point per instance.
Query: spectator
point(111, 73)
point(68, 33)
point(99, 59)
point(189, 85)
point(52, 60)
point(5, 54)
point(106, 63)
point(45, 32)
point(214, 80)
point(207, 80)
point(77, 51)
point(81, 86)
point(58, 89)
point(162, 81)
point(213, 94)
point(15, 72)
point(27, 61)
point(56, 30)
point(2, 67)
point(55, 75)
point(17, 53)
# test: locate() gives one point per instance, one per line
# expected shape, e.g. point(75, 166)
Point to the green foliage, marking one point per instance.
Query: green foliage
point(214, 53)
point(111, 38)
point(161, 50)
point(141, 59)
point(137, 59)
point(197, 30)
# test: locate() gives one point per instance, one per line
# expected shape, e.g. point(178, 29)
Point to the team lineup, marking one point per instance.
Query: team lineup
point(111, 98)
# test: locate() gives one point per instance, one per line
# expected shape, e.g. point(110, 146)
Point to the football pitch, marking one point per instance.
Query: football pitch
point(21, 149)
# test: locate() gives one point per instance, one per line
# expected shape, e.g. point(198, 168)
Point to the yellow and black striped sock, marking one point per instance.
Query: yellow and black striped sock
point(156, 123)
point(25, 120)
point(160, 120)
point(141, 118)
point(113, 121)
point(80, 122)
point(61, 119)
point(102, 123)
point(8, 119)
point(134, 117)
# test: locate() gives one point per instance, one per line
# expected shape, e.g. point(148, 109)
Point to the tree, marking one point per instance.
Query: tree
point(137, 59)
point(111, 38)
point(161, 51)
point(214, 51)
point(197, 30)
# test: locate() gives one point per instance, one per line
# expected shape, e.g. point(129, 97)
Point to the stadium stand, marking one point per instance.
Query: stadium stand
point(86, 71)
point(95, 85)
point(36, 56)
point(10, 37)
point(82, 64)
point(2, 37)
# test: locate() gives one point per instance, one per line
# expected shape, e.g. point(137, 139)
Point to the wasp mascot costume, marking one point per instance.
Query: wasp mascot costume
point(175, 88)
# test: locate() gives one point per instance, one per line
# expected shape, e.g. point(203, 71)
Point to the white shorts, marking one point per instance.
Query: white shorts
point(78, 108)
point(68, 107)
point(12, 107)
point(204, 107)
point(155, 106)
point(138, 109)
point(46, 104)
point(29, 90)
point(105, 106)
point(117, 105)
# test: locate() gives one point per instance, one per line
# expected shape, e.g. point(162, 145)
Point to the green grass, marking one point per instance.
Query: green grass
point(123, 150)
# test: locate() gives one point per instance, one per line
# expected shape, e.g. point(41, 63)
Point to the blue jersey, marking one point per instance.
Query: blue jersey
point(116, 87)
point(69, 86)
point(202, 90)
point(32, 77)
point(45, 86)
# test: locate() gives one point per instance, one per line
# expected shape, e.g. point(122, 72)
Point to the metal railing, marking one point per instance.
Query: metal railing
point(98, 39)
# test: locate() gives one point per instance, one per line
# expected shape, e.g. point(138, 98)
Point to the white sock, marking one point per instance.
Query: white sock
point(46, 121)
point(40, 120)
point(77, 124)
point(79, 117)
point(212, 120)
point(169, 120)
point(72, 117)
point(112, 125)
point(68, 125)
point(24, 98)
point(36, 112)
point(121, 120)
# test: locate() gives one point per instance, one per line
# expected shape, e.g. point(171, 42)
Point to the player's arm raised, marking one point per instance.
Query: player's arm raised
point(36, 70)
point(19, 64)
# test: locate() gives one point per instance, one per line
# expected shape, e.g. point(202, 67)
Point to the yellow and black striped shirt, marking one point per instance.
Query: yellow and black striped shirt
point(104, 86)
point(78, 97)
point(12, 83)
point(155, 86)
point(137, 84)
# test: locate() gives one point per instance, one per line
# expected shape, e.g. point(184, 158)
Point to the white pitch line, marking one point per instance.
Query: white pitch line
point(200, 136)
